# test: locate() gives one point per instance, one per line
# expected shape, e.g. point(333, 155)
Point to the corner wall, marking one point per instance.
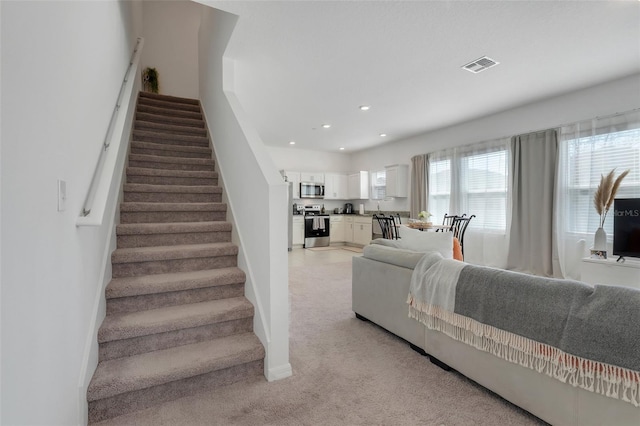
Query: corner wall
point(62, 67)
point(256, 193)
point(170, 31)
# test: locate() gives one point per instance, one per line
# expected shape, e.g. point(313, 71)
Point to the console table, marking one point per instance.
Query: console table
point(610, 272)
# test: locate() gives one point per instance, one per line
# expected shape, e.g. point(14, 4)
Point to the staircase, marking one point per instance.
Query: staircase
point(177, 320)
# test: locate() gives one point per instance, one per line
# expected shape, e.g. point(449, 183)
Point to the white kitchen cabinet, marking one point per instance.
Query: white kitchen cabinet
point(294, 178)
point(336, 233)
point(312, 177)
point(335, 186)
point(297, 236)
point(358, 186)
point(348, 229)
point(397, 180)
point(362, 230)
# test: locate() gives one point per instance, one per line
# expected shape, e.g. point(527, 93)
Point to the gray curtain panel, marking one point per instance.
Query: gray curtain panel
point(534, 158)
point(419, 184)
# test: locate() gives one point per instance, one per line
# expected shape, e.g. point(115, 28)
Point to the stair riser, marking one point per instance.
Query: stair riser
point(171, 180)
point(170, 139)
point(169, 105)
point(127, 241)
point(169, 112)
point(168, 129)
point(167, 217)
point(172, 166)
point(155, 342)
point(134, 269)
point(160, 300)
point(171, 197)
point(138, 400)
point(163, 119)
point(167, 153)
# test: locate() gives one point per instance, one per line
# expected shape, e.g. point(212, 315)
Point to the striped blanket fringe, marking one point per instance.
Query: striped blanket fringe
point(598, 377)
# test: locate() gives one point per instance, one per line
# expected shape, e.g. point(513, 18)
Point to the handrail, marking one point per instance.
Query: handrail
point(88, 201)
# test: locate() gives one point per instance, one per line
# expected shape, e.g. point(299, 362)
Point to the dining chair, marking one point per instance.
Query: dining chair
point(459, 227)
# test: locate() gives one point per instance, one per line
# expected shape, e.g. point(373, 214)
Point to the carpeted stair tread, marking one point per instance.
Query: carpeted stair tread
point(172, 228)
point(165, 119)
point(179, 189)
point(142, 371)
point(176, 150)
point(163, 103)
point(177, 281)
point(166, 159)
point(136, 206)
point(174, 129)
point(141, 171)
point(169, 98)
point(171, 318)
point(169, 112)
point(158, 253)
point(151, 136)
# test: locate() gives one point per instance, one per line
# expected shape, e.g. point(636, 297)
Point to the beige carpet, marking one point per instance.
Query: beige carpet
point(353, 249)
point(346, 372)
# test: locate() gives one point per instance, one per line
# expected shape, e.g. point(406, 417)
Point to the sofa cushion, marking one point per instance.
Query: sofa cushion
point(424, 241)
point(395, 256)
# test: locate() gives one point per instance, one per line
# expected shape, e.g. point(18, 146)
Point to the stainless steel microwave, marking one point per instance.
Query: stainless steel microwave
point(311, 190)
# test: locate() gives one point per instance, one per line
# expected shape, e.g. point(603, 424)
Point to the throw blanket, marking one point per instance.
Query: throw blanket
point(582, 335)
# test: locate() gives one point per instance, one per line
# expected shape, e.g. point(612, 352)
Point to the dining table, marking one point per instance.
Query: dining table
point(427, 226)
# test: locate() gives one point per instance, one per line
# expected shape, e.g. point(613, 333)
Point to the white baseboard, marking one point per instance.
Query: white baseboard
point(278, 373)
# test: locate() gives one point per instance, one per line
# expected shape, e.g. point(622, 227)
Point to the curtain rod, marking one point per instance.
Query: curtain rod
point(602, 117)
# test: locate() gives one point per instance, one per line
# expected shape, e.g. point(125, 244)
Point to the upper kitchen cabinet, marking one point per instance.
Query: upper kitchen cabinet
point(294, 178)
point(397, 177)
point(358, 186)
point(335, 186)
point(312, 177)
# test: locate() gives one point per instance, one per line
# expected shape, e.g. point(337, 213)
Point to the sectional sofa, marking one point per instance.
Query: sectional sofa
point(382, 282)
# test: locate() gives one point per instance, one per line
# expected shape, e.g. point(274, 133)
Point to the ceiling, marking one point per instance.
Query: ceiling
point(302, 64)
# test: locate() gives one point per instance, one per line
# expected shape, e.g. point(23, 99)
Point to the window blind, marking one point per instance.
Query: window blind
point(587, 158)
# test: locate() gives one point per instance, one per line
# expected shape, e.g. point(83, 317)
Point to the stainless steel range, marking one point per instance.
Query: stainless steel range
point(316, 227)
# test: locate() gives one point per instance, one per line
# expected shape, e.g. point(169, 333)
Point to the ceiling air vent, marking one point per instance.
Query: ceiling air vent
point(480, 64)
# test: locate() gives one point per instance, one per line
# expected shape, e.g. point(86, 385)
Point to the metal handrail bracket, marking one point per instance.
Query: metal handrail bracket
point(95, 203)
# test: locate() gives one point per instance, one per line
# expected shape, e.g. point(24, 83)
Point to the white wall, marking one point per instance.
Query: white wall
point(246, 167)
point(609, 98)
point(170, 31)
point(62, 66)
point(304, 160)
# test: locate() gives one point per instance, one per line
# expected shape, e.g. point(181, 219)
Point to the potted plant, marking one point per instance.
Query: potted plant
point(602, 201)
point(150, 80)
point(424, 216)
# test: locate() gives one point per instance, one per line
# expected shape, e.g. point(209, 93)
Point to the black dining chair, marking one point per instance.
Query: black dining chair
point(459, 227)
point(387, 226)
point(448, 221)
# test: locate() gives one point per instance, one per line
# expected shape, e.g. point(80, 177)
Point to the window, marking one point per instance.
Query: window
point(378, 184)
point(585, 160)
point(439, 188)
point(471, 180)
point(483, 188)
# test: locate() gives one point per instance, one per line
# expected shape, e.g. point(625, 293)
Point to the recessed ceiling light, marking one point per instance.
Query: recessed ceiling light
point(383, 135)
point(364, 107)
point(326, 126)
point(292, 143)
point(342, 148)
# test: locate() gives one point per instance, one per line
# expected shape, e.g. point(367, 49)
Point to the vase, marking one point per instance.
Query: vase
point(600, 240)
